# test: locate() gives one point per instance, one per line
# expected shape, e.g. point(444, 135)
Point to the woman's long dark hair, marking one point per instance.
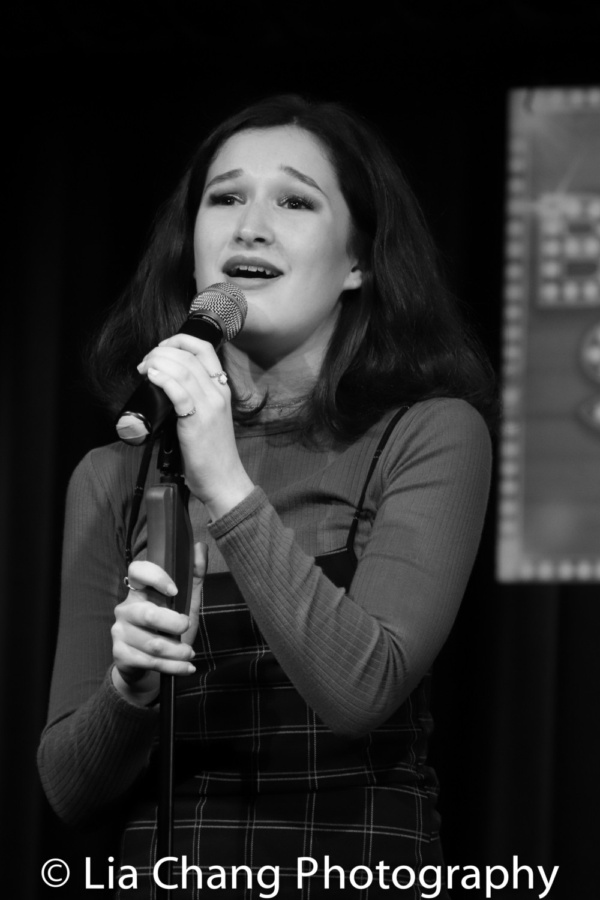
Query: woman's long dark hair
point(398, 339)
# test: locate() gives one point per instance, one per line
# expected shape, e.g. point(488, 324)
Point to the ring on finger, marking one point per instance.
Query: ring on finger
point(186, 414)
point(129, 585)
point(220, 376)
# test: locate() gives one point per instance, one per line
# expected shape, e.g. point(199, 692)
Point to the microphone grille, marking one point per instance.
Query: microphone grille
point(227, 302)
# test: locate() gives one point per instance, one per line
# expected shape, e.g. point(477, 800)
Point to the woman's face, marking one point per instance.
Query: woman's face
point(273, 221)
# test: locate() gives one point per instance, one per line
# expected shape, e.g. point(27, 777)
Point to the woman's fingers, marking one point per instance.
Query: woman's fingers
point(143, 613)
point(185, 399)
point(146, 605)
point(144, 574)
point(147, 634)
point(134, 646)
point(187, 382)
point(202, 350)
point(200, 562)
point(189, 362)
point(141, 654)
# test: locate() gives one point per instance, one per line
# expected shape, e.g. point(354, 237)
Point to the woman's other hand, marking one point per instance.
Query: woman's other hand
point(148, 637)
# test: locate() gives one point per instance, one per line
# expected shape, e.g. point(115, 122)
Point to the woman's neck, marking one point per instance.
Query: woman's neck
point(285, 380)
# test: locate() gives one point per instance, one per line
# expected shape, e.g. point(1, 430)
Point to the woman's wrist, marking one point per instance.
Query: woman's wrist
point(229, 496)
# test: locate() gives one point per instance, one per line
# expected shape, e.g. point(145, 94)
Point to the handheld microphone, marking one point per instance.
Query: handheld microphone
point(216, 315)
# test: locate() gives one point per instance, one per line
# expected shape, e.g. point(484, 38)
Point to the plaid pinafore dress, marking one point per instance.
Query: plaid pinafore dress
point(262, 783)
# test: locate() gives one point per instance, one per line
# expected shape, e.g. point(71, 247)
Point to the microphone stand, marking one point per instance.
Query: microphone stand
point(171, 546)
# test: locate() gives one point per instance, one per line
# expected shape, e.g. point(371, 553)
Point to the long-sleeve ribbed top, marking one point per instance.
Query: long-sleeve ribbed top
point(354, 657)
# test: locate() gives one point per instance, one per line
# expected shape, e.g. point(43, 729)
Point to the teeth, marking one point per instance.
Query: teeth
point(252, 269)
point(269, 273)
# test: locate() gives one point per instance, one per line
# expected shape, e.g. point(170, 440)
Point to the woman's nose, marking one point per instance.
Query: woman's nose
point(254, 225)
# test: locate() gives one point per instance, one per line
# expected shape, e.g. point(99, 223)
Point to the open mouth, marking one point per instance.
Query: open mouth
point(251, 270)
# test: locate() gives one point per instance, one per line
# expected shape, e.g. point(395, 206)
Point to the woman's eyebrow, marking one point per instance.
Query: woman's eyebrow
point(233, 173)
point(289, 170)
point(306, 179)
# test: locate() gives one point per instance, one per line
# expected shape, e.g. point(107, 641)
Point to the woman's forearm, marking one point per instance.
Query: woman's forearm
point(90, 758)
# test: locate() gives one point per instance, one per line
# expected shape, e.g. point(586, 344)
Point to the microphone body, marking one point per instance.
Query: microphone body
point(216, 315)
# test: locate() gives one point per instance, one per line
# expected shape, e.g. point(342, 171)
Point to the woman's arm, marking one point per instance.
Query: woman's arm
point(355, 657)
point(95, 743)
point(100, 729)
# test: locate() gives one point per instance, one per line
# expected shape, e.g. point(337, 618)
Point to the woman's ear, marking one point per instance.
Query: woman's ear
point(353, 278)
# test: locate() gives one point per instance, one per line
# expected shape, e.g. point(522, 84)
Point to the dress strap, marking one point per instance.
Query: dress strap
point(380, 447)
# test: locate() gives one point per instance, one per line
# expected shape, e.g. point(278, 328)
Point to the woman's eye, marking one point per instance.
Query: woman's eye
point(297, 202)
point(223, 199)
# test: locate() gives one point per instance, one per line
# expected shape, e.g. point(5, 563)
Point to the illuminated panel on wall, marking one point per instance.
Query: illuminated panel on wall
point(549, 490)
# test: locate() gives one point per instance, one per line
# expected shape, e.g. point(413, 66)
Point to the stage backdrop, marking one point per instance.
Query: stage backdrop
point(549, 522)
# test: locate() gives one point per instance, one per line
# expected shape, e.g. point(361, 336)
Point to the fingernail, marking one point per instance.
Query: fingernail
point(152, 371)
point(171, 590)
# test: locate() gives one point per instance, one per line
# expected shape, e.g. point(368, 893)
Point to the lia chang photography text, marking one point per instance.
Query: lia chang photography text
point(431, 879)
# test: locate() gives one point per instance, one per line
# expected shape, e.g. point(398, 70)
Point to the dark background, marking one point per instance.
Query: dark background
point(101, 106)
